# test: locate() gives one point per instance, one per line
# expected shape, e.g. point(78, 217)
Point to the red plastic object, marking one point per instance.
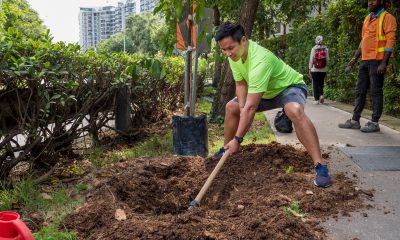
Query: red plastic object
point(13, 228)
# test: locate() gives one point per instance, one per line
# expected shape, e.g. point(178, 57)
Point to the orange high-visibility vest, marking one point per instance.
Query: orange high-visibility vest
point(380, 35)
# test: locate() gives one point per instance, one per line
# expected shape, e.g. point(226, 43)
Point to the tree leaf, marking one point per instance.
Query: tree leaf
point(158, 8)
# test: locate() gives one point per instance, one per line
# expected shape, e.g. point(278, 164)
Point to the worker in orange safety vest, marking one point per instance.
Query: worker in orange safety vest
point(376, 47)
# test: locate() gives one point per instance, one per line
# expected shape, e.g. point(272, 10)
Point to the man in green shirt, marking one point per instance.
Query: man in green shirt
point(264, 82)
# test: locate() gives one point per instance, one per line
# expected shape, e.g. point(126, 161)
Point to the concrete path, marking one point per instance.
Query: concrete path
point(383, 220)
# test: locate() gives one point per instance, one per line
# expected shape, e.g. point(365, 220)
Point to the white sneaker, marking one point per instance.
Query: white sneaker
point(321, 99)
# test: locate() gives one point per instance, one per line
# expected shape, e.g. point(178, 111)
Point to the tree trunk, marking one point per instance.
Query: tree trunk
point(248, 12)
point(226, 87)
point(320, 8)
point(225, 92)
point(217, 59)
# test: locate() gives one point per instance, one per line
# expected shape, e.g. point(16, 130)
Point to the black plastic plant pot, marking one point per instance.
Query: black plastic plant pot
point(190, 136)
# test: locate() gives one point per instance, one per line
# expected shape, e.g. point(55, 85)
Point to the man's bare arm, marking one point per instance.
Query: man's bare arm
point(241, 93)
point(246, 118)
point(248, 112)
point(382, 66)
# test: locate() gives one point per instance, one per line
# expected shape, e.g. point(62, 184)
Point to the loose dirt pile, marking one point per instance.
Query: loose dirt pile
point(147, 198)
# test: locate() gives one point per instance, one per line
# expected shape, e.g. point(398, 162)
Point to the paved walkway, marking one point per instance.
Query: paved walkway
point(383, 220)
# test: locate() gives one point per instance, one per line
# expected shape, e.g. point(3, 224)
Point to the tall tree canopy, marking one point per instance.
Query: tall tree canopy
point(145, 33)
point(19, 15)
point(285, 12)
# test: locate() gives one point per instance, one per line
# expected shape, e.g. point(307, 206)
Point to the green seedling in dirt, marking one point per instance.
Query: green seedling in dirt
point(289, 169)
point(294, 210)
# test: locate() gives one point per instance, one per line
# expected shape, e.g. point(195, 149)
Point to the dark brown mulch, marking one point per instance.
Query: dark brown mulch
point(246, 201)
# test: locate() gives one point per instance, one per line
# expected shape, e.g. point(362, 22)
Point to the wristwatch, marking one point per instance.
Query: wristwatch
point(239, 139)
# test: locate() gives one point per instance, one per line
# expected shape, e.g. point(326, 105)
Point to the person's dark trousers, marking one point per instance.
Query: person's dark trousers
point(318, 79)
point(368, 77)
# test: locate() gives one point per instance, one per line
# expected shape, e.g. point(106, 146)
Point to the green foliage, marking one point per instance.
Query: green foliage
point(2, 17)
point(144, 34)
point(175, 67)
point(44, 83)
point(116, 44)
point(285, 12)
point(19, 15)
point(342, 35)
point(276, 45)
point(171, 11)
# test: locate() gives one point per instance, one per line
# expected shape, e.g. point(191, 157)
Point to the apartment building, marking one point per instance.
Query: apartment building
point(99, 23)
point(147, 6)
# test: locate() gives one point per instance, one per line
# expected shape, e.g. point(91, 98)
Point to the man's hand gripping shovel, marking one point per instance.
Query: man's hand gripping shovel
point(196, 202)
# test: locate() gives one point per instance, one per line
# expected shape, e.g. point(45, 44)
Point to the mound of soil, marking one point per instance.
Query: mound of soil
point(147, 198)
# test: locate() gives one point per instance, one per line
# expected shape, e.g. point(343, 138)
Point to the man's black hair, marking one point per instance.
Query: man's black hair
point(230, 29)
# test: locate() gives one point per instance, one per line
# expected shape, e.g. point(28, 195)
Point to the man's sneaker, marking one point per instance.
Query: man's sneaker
point(350, 124)
point(219, 153)
point(321, 99)
point(322, 178)
point(370, 127)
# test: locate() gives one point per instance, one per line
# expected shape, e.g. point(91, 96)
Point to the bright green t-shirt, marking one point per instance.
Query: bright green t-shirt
point(264, 72)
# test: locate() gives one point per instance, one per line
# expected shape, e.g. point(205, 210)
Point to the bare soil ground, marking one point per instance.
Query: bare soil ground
point(147, 198)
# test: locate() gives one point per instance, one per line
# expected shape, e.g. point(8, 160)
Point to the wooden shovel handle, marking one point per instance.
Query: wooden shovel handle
point(210, 179)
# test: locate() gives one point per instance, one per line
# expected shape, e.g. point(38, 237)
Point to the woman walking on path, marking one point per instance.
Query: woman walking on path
point(317, 67)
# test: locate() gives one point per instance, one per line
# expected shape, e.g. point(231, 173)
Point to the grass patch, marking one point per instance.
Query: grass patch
point(24, 194)
point(96, 157)
point(81, 187)
point(154, 146)
point(51, 232)
point(51, 206)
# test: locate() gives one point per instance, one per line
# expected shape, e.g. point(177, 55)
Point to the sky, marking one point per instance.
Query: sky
point(61, 16)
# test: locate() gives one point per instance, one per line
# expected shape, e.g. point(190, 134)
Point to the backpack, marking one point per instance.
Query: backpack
point(282, 123)
point(319, 60)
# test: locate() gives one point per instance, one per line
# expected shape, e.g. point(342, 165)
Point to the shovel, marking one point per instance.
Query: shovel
point(196, 202)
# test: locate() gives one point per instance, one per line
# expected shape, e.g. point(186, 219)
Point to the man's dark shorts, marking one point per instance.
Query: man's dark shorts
point(294, 93)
